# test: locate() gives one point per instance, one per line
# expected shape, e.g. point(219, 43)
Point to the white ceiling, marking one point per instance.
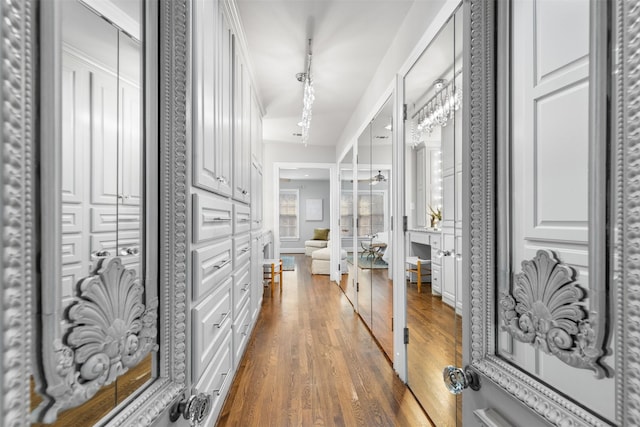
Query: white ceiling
point(349, 39)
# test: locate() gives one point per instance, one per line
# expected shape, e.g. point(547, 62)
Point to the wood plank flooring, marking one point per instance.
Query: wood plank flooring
point(435, 341)
point(311, 361)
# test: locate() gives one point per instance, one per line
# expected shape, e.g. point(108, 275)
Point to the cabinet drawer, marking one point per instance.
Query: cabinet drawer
point(241, 332)
point(211, 323)
point(241, 288)
point(217, 379)
point(211, 265)
point(435, 242)
point(241, 251)
point(436, 280)
point(241, 218)
point(211, 218)
point(422, 238)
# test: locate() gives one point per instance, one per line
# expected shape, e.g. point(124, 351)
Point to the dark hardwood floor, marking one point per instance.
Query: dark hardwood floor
point(311, 361)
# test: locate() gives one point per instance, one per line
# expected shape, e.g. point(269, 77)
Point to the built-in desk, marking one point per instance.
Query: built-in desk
point(425, 244)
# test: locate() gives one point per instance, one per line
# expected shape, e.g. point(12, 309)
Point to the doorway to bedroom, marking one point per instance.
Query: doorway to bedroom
point(303, 216)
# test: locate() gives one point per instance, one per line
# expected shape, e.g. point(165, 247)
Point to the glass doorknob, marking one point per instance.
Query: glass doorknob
point(194, 409)
point(457, 379)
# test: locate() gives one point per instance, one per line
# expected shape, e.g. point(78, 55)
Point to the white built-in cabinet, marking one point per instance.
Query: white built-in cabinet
point(212, 97)
point(242, 106)
point(226, 205)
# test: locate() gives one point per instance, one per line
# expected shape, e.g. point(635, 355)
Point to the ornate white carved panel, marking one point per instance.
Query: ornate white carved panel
point(211, 265)
point(212, 320)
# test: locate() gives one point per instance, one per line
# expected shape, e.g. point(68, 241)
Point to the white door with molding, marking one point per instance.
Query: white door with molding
point(545, 193)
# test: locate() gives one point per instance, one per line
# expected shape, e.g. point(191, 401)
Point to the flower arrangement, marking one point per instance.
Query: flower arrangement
point(435, 215)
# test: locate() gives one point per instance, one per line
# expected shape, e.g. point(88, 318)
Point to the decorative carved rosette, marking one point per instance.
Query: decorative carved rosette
point(110, 331)
point(544, 309)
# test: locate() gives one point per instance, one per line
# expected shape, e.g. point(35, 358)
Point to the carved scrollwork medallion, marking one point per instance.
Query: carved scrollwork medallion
point(110, 331)
point(545, 310)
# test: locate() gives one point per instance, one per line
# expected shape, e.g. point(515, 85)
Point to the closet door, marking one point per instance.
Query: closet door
point(545, 195)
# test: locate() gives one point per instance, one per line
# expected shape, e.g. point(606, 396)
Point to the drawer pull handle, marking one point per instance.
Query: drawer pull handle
point(219, 219)
point(246, 330)
point(245, 250)
point(225, 316)
point(224, 382)
point(246, 287)
point(244, 220)
point(222, 264)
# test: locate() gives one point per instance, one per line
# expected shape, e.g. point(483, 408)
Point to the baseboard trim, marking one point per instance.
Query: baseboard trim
point(291, 251)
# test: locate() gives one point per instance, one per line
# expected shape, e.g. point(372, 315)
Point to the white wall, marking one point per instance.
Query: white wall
point(279, 152)
point(308, 190)
point(411, 32)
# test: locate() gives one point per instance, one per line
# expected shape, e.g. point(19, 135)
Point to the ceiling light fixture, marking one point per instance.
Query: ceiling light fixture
point(378, 178)
point(307, 99)
point(440, 108)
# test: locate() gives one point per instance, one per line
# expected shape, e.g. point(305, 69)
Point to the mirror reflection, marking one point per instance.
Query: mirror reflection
point(433, 137)
point(102, 228)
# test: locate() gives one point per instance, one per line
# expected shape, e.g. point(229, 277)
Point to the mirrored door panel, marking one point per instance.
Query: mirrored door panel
point(348, 233)
point(362, 263)
point(99, 336)
point(433, 159)
point(378, 254)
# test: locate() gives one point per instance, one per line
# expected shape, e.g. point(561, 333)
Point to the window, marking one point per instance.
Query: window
point(289, 210)
point(371, 213)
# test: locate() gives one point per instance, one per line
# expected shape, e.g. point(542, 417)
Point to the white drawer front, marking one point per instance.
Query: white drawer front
point(241, 331)
point(422, 238)
point(241, 251)
point(436, 280)
point(217, 379)
point(211, 218)
point(211, 265)
point(241, 288)
point(241, 218)
point(211, 323)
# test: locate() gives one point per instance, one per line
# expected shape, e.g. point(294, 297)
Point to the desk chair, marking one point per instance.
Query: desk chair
point(418, 266)
point(270, 269)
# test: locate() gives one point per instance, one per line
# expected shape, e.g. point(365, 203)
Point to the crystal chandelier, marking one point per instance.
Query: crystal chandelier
point(439, 109)
point(307, 99)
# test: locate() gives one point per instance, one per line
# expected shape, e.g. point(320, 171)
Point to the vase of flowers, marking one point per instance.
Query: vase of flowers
point(435, 215)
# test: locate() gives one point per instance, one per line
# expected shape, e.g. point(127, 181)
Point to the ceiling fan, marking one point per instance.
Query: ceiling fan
point(378, 178)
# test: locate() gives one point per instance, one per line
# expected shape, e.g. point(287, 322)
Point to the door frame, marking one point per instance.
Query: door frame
point(19, 178)
point(505, 387)
point(334, 274)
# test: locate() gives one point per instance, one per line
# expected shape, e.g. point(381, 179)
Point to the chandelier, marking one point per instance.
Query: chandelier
point(439, 109)
point(307, 99)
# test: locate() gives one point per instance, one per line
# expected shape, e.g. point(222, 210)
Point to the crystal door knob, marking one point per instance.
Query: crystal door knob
point(457, 379)
point(195, 409)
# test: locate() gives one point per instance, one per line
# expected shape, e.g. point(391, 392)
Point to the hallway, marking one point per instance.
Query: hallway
point(311, 361)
